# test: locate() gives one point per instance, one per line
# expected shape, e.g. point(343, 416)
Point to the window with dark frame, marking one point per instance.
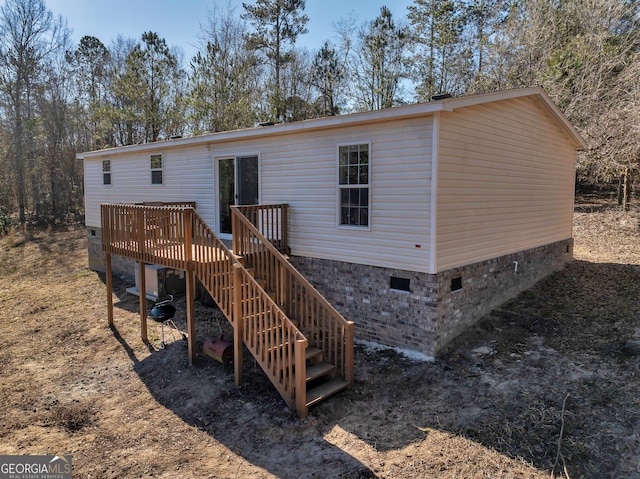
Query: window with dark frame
point(106, 172)
point(353, 184)
point(156, 170)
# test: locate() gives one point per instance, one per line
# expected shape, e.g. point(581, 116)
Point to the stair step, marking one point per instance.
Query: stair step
point(318, 370)
point(313, 353)
point(325, 390)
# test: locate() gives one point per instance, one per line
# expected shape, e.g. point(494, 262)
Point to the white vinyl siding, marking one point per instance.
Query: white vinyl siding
point(505, 182)
point(400, 178)
point(188, 176)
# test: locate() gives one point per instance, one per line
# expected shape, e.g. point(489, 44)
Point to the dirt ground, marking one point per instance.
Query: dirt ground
point(548, 385)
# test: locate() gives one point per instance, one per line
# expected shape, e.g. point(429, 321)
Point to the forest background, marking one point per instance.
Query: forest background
point(58, 98)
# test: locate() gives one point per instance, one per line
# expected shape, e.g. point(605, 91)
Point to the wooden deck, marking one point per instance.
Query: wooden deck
point(295, 335)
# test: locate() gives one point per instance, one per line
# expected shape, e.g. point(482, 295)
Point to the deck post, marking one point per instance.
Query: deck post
point(238, 323)
point(190, 282)
point(143, 300)
point(348, 355)
point(187, 220)
point(139, 225)
point(300, 352)
point(190, 279)
point(109, 279)
point(284, 229)
point(235, 234)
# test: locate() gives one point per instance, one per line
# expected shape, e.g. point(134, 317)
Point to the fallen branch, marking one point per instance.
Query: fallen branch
point(558, 453)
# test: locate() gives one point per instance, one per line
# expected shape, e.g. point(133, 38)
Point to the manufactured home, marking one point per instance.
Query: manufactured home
point(412, 222)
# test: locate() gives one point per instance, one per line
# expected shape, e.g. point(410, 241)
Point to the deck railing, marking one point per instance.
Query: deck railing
point(154, 234)
point(321, 323)
point(272, 221)
point(176, 237)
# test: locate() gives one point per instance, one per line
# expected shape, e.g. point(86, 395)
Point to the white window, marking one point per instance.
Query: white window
point(106, 172)
point(353, 185)
point(156, 170)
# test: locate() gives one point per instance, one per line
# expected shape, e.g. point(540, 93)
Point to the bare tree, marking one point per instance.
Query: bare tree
point(56, 162)
point(297, 87)
point(29, 36)
point(585, 53)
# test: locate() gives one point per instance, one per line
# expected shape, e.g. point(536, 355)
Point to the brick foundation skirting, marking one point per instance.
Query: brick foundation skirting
point(428, 316)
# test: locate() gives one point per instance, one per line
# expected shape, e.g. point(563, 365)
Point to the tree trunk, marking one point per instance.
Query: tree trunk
point(620, 189)
point(19, 161)
point(626, 195)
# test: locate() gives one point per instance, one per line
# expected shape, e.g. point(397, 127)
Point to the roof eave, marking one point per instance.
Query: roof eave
point(376, 116)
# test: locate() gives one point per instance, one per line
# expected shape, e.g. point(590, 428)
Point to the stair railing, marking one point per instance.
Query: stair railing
point(272, 221)
point(321, 323)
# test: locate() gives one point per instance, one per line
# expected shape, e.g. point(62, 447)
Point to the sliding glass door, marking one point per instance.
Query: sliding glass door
point(237, 185)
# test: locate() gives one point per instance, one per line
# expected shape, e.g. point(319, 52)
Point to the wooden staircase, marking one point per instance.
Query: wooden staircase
point(300, 341)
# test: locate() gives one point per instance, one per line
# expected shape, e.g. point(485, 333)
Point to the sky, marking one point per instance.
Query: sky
point(178, 22)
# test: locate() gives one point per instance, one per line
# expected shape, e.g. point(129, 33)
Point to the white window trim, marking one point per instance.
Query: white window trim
point(110, 172)
point(157, 169)
point(338, 187)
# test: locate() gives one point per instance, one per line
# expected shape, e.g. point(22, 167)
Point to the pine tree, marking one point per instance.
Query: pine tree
point(277, 24)
point(145, 87)
point(225, 78)
point(436, 30)
point(327, 76)
point(91, 63)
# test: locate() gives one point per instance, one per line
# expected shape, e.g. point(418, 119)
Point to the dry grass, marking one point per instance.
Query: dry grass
point(70, 385)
